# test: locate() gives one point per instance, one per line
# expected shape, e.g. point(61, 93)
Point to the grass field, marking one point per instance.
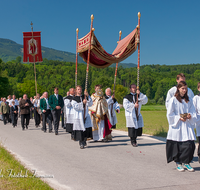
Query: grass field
point(155, 120)
point(13, 176)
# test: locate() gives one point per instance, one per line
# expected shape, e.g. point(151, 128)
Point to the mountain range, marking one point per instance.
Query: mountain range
point(10, 50)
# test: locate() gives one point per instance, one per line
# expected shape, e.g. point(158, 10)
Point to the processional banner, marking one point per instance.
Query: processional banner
point(32, 47)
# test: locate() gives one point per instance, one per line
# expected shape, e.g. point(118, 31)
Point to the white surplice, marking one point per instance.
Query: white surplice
point(180, 131)
point(131, 119)
point(172, 92)
point(196, 102)
point(78, 123)
point(112, 117)
point(69, 111)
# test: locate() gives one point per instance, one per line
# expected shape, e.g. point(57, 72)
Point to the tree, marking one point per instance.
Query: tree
point(120, 92)
point(18, 59)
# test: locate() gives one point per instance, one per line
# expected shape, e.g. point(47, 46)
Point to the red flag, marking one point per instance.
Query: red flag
point(32, 47)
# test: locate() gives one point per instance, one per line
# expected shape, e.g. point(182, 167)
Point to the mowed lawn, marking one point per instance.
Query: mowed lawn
point(155, 120)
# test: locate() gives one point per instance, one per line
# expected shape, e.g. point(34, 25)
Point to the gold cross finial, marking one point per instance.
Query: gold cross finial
point(31, 23)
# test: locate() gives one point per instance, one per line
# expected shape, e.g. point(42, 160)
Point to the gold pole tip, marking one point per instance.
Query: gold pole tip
point(77, 30)
point(139, 14)
point(92, 17)
point(93, 29)
point(120, 32)
point(137, 26)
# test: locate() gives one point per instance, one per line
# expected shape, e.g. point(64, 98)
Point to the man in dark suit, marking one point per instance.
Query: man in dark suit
point(56, 104)
point(46, 113)
point(4, 110)
point(25, 105)
point(14, 114)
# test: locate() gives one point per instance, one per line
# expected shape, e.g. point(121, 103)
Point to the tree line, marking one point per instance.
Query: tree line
point(155, 80)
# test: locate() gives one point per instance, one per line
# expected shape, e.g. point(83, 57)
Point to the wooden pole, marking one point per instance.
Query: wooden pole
point(88, 61)
point(111, 111)
point(88, 58)
point(120, 34)
point(138, 67)
point(77, 30)
point(34, 60)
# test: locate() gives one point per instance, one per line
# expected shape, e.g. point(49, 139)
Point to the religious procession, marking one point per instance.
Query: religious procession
point(92, 117)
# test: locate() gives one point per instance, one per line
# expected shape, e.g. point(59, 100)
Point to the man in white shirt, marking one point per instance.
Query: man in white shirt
point(37, 110)
point(180, 77)
point(14, 99)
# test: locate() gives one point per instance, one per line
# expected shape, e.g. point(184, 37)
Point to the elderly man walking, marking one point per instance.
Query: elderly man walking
point(46, 112)
point(4, 110)
point(25, 105)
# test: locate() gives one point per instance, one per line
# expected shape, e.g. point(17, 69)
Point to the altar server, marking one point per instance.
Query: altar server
point(134, 120)
point(196, 102)
point(69, 112)
point(82, 125)
point(180, 77)
point(181, 117)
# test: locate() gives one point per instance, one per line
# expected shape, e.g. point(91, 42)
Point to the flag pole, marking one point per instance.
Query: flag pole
point(34, 59)
point(120, 34)
point(77, 30)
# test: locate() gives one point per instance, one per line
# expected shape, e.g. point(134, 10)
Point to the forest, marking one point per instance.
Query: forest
point(155, 80)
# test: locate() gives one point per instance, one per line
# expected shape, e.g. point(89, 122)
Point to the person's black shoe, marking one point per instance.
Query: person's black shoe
point(56, 133)
point(13, 126)
point(50, 131)
point(36, 126)
point(81, 146)
point(134, 144)
point(23, 129)
point(26, 127)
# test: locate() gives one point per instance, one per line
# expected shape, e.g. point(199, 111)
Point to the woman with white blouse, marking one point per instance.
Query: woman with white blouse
point(181, 117)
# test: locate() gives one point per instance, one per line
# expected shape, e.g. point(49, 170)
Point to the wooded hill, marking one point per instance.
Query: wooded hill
point(155, 80)
point(10, 50)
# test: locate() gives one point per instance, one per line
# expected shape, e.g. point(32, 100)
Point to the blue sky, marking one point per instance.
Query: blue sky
point(170, 29)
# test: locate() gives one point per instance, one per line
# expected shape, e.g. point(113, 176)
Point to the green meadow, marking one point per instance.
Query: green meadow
point(155, 120)
point(14, 176)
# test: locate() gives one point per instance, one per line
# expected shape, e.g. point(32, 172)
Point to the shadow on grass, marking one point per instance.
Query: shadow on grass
point(160, 132)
